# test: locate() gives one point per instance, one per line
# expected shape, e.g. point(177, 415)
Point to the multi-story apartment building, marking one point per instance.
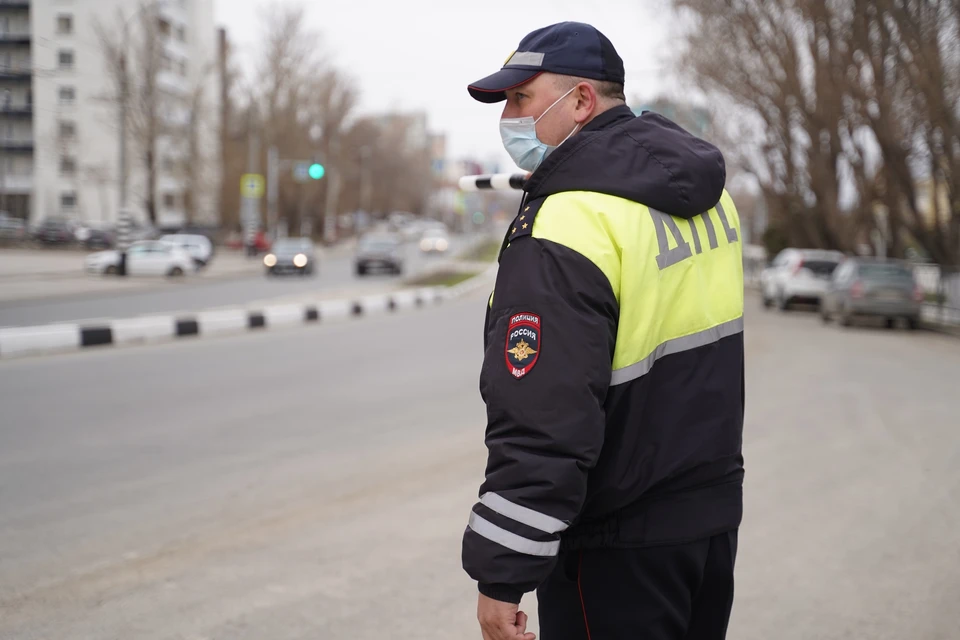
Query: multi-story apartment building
point(60, 116)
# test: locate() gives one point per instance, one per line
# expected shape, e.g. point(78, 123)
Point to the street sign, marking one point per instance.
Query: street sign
point(301, 171)
point(251, 185)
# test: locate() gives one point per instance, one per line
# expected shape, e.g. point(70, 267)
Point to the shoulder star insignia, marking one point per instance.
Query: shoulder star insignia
point(525, 225)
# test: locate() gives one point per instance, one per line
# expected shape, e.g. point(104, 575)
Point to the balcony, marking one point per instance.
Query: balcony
point(16, 110)
point(16, 183)
point(14, 4)
point(15, 75)
point(173, 83)
point(14, 38)
point(15, 145)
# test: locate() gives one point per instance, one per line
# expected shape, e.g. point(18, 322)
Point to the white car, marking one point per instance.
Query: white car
point(144, 258)
point(196, 245)
point(798, 275)
point(434, 240)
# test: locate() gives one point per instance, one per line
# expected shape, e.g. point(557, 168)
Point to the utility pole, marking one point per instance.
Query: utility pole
point(251, 205)
point(273, 170)
point(124, 100)
point(333, 192)
point(365, 153)
point(123, 214)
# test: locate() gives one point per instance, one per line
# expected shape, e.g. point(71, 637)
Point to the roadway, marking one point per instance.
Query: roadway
point(314, 483)
point(336, 273)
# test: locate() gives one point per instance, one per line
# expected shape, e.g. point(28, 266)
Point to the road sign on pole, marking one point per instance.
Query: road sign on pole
point(251, 185)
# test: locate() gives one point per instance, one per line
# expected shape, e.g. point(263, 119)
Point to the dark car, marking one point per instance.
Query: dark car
point(55, 231)
point(99, 239)
point(291, 255)
point(383, 252)
point(869, 287)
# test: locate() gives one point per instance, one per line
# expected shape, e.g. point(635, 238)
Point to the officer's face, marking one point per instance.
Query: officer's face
point(535, 97)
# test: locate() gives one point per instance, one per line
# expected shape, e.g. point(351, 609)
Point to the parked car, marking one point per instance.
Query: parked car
point(291, 255)
point(94, 237)
point(198, 246)
point(144, 258)
point(55, 231)
point(99, 239)
point(12, 229)
point(873, 287)
point(434, 240)
point(383, 251)
point(798, 275)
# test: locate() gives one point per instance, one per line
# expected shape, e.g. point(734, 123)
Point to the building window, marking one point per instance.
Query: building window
point(182, 33)
point(67, 95)
point(64, 24)
point(170, 201)
point(68, 166)
point(169, 165)
point(68, 129)
point(68, 201)
point(66, 59)
point(164, 26)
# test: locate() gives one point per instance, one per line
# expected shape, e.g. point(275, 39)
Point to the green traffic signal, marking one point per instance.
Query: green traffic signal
point(316, 171)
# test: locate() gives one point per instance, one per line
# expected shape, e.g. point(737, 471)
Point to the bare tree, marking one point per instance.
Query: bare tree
point(133, 63)
point(308, 109)
point(852, 106)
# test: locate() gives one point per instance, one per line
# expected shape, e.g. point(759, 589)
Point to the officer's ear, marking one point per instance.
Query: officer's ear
point(586, 95)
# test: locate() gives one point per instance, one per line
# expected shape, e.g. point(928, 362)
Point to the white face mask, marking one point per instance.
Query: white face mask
point(520, 139)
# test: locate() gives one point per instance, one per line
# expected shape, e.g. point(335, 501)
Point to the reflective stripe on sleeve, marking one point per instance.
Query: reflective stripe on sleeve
point(512, 541)
point(523, 515)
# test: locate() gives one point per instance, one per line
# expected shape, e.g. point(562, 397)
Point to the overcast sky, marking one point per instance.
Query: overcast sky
point(421, 54)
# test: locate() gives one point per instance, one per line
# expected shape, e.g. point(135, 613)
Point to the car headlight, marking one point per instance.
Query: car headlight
point(269, 260)
point(300, 260)
point(442, 245)
point(425, 245)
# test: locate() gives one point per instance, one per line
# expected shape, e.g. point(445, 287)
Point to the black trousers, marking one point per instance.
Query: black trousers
point(678, 592)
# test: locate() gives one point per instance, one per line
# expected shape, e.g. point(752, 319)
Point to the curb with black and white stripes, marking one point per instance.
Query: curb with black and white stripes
point(21, 341)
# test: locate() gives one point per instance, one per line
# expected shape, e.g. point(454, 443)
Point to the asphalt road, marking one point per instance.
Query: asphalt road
point(336, 272)
point(314, 483)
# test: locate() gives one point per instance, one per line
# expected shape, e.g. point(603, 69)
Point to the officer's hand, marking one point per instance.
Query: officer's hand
point(502, 620)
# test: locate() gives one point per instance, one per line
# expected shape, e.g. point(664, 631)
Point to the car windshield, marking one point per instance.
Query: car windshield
point(435, 232)
point(820, 267)
point(885, 272)
point(378, 244)
point(293, 244)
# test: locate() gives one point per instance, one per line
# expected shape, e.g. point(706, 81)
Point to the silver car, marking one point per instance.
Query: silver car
point(871, 287)
point(380, 251)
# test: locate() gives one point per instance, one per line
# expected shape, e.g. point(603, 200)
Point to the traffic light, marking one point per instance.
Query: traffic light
point(316, 171)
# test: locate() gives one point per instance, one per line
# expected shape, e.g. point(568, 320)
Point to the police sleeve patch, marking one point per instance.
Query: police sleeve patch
point(523, 343)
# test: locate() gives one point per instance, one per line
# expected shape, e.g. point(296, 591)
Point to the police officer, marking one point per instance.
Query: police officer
point(613, 367)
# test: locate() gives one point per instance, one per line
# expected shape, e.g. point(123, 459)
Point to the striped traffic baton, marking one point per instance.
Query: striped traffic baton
point(498, 181)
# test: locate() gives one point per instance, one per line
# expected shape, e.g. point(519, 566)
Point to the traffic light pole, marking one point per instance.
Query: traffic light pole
point(274, 166)
point(273, 173)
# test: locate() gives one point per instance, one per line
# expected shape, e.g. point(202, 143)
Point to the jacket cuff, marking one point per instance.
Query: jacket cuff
point(501, 592)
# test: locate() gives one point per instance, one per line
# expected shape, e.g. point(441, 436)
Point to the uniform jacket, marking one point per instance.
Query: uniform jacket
point(613, 363)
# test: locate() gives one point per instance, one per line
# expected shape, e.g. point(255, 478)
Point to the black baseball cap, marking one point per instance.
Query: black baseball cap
point(566, 48)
